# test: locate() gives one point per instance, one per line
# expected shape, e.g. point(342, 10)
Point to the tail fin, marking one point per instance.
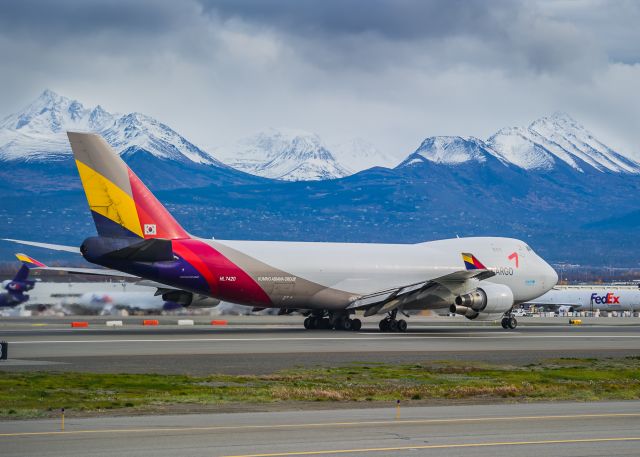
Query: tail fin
point(121, 205)
point(22, 275)
point(471, 263)
point(30, 261)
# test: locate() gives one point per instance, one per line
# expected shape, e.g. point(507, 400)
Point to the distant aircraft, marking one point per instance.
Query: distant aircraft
point(139, 238)
point(105, 303)
point(16, 287)
point(101, 299)
point(590, 298)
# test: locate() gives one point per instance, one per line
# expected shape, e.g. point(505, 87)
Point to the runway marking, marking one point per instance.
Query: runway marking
point(441, 446)
point(325, 338)
point(326, 424)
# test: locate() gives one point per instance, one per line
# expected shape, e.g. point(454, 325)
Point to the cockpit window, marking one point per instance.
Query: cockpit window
point(528, 248)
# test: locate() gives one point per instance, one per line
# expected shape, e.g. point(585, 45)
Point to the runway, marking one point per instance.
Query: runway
point(558, 429)
point(271, 344)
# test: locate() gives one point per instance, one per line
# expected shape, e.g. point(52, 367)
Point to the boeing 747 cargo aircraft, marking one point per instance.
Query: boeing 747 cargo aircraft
point(137, 236)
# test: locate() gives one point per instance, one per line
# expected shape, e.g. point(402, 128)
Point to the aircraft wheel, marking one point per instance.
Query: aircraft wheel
point(347, 324)
point(505, 323)
point(384, 325)
point(356, 324)
point(402, 325)
point(340, 323)
point(307, 323)
point(513, 323)
point(393, 325)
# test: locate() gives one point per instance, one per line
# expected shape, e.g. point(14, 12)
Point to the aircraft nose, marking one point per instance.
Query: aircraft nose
point(550, 276)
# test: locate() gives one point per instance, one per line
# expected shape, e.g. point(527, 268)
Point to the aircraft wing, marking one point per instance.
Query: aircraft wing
point(555, 304)
point(388, 299)
point(55, 247)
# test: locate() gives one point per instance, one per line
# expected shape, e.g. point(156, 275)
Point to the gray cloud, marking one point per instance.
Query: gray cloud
point(390, 71)
point(68, 19)
point(499, 33)
point(400, 20)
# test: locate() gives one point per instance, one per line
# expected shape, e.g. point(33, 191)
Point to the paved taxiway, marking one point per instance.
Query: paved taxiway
point(560, 429)
point(268, 344)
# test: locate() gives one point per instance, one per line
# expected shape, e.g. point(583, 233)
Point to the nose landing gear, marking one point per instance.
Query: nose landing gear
point(509, 322)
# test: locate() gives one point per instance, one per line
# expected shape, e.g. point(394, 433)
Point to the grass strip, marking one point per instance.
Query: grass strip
point(39, 394)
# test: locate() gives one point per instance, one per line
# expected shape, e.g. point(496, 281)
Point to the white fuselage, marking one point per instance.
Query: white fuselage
point(367, 268)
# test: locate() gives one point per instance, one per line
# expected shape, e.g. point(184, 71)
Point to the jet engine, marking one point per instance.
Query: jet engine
point(488, 299)
point(188, 299)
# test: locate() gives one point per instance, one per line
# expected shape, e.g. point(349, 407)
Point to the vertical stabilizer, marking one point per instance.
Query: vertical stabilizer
point(121, 205)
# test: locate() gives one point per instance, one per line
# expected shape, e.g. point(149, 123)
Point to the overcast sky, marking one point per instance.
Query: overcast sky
point(393, 72)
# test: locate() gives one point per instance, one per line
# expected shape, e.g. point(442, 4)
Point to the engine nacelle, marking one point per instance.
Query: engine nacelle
point(202, 301)
point(489, 299)
point(188, 299)
point(465, 311)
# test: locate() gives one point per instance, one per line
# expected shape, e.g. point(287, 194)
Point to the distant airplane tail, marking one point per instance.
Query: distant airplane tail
point(121, 205)
point(30, 262)
point(20, 283)
point(22, 275)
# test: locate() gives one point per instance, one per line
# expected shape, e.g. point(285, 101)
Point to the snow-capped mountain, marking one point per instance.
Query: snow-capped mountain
point(359, 154)
point(290, 155)
point(37, 133)
point(451, 150)
point(559, 137)
point(546, 144)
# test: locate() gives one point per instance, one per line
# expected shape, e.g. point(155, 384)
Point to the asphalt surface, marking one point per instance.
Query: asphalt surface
point(264, 345)
point(560, 429)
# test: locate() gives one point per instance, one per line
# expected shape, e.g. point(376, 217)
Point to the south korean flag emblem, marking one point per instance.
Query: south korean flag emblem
point(150, 229)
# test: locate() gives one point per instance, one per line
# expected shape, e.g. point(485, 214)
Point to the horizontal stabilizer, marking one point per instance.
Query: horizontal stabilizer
point(54, 247)
point(88, 271)
point(162, 288)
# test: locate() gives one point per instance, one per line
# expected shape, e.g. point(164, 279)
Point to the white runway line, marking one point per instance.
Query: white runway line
point(422, 328)
point(328, 338)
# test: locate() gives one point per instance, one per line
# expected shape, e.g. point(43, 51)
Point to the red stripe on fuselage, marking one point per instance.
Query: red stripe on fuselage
point(227, 280)
point(196, 262)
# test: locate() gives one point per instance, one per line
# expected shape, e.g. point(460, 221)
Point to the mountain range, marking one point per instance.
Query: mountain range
point(37, 134)
point(551, 183)
point(549, 143)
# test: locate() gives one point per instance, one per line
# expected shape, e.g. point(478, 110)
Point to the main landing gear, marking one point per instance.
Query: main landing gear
point(509, 322)
point(391, 324)
point(332, 321)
